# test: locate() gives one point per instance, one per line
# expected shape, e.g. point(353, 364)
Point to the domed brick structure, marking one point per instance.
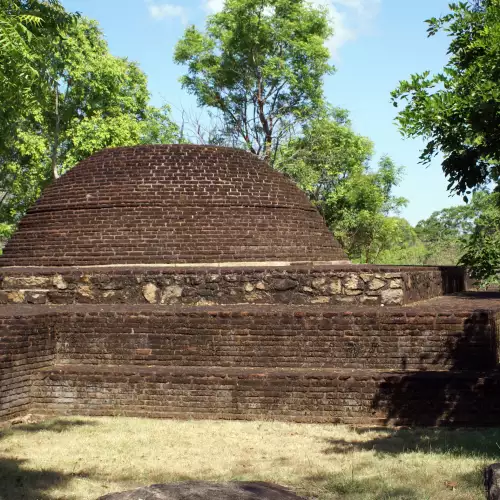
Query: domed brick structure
point(171, 204)
point(195, 282)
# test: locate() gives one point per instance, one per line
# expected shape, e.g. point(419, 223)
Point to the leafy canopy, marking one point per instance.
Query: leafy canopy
point(458, 110)
point(260, 64)
point(331, 163)
point(24, 25)
point(482, 248)
point(83, 100)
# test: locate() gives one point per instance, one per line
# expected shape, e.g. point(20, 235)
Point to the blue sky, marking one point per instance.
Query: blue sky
point(377, 44)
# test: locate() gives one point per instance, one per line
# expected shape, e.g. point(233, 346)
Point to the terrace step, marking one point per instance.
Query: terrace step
point(302, 395)
point(424, 338)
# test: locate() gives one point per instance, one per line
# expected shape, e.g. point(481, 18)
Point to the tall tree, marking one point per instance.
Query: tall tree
point(260, 64)
point(362, 211)
point(324, 156)
point(458, 110)
point(331, 163)
point(84, 99)
point(25, 27)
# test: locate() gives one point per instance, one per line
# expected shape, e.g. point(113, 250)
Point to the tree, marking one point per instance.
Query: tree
point(446, 232)
point(324, 156)
point(84, 100)
point(330, 162)
point(25, 25)
point(361, 211)
point(260, 64)
point(403, 246)
point(458, 110)
point(482, 249)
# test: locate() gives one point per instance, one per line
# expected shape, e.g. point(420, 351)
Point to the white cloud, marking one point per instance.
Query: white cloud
point(213, 6)
point(350, 18)
point(167, 11)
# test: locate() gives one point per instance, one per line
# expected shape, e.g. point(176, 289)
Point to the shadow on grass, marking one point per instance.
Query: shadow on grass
point(479, 443)
point(343, 486)
point(18, 483)
point(54, 425)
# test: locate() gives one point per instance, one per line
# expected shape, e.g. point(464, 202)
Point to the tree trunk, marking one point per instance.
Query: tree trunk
point(55, 144)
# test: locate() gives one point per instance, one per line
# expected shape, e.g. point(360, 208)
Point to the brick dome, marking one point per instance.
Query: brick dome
point(171, 204)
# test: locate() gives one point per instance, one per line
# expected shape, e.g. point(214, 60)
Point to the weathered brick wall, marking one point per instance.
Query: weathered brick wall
point(368, 285)
point(307, 364)
point(26, 345)
point(171, 204)
point(278, 337)
point(328, 396)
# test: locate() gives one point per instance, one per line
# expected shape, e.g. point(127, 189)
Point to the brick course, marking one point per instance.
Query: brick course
point(329, 396)
point(26, 345)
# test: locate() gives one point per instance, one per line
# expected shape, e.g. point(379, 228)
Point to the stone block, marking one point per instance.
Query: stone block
point(376, 284)
point(170, 293)
point(59, 282)
point(335, 287)
point(283, 284)
point(396, 283)
point(16, 296)
point(151, 293)
point(318, 283)
point(352, 282)
point(392, 297)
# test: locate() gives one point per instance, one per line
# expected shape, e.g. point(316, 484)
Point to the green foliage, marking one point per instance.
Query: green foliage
point(458, 110)
point(360, 212)
point(446, 232)
point(260, 64)
point(482, 249)
point(24, 26)
point(330, 162)
point(326, 153)
point(83, 100)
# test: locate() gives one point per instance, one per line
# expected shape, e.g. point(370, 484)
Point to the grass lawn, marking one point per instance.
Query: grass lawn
point(82, 458)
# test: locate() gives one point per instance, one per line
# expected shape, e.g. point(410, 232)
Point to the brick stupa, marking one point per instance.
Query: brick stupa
point(196, 282)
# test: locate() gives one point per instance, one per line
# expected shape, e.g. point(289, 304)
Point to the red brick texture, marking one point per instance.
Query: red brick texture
point(26, 345)
point(171, 204)
point(277, 337)
point(302, 342)
point(329, 396)
point(434, 363)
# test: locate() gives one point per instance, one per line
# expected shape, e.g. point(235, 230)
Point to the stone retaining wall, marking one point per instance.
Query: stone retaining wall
point(369, 285)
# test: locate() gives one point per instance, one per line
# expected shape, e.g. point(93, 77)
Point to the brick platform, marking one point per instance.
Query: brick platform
point(195, 282)
point(368, 397)
point(306, 363)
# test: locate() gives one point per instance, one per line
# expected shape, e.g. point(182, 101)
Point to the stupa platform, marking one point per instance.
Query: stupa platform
point(183, 281)
point(433, 362)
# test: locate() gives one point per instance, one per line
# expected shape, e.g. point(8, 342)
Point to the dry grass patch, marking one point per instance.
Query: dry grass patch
point(82, 458)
